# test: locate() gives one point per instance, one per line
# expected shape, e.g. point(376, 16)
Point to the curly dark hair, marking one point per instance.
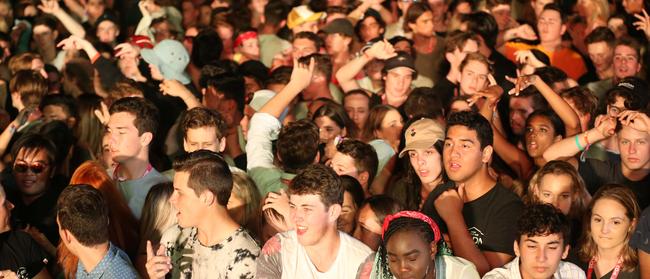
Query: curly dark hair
point(318, 179)
point(543, 219)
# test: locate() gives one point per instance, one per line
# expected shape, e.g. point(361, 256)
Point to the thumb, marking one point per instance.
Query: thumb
point(161, 250)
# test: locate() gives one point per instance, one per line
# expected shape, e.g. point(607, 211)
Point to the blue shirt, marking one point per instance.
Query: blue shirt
point(114, 265)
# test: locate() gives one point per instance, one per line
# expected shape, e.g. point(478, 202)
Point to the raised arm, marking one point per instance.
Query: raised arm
point(346, 74)
point(570, 146)
point(559, 105)
point(52, 7)
point(516, 158)
point(300, 79)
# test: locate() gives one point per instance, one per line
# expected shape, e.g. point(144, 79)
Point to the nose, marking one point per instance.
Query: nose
point(403, 266)
point(173, 199)
point(632, 149)
point(604, 228)
point(541, 255)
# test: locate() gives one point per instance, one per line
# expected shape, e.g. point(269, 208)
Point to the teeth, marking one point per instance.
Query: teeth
point(301, 228)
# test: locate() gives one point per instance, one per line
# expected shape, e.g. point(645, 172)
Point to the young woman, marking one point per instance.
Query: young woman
point(332, 122)
point(612, 217)
point(385, 123)
point(157, 216)
point(543, 128)
point(559, 184)
point(357, 105)
point(352, 201)
point(408, 250)
point(244, 203)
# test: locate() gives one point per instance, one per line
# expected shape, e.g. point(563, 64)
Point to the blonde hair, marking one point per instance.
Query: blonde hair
point(579, 195)
point(244, 189)
point(625, 197)
point(600, 11)
point(157, 214)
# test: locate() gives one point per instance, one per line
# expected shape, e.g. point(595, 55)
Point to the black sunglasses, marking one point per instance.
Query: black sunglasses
point(36, 168)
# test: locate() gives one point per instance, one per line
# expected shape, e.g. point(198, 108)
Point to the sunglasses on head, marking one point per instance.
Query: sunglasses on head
point(36, 168)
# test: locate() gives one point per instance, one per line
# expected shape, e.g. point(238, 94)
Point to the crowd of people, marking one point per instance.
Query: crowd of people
point(325, 139)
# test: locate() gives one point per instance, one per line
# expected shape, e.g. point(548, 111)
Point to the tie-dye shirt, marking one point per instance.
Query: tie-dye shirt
point(234, 257)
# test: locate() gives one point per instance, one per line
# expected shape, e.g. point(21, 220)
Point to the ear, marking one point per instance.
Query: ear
point(566, 251)
point(411, 26)
point(71, 121)
point(563, 29)
point(146, 138)
point(334, 212)
point(487, 154)
point(222, 144)
point(207, 198)
point(317, 158)
point(283, 23)
point(186, 145)
point(363, 178)
point(515, 246)
point(117, 33)
point(557, 138)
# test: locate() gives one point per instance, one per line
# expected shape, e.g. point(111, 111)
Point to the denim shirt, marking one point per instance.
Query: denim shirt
point(114, 265)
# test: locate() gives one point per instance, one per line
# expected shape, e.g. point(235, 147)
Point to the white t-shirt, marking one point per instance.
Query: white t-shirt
point(284, 257)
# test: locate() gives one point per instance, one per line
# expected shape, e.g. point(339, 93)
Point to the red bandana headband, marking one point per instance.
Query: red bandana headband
point(413, 215)
point(245, 36)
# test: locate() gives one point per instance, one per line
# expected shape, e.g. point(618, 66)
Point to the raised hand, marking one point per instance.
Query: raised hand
point(492, 93)
point(49, 6)
point(635, 119)
point(605, 124)
point(173, 88)
point(72, 43)
point(127, 50)
point(381, 50)
point(643, 23)
point(527, 57)
point(302, 74)
point(158, 264)
point(525, 32)
point(102, 114)
point(521, 83)
point(144, 9)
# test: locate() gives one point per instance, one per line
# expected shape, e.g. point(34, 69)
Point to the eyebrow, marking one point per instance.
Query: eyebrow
point(414, 251)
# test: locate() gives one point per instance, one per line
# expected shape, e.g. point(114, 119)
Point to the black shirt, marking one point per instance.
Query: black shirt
point(597, 173)
point(492, 219)
point(429, 207)
point(21, 254)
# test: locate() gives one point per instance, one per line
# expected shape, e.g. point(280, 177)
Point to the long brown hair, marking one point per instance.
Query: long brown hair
point(122, 229)
point(626, 198)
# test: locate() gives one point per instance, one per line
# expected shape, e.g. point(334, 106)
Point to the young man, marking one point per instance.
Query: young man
point(220, 248)
point(551, 24)
point(60, 107)
point(82, 216)
point(275, 18)
point(297, 142)
point(481, 214)
point(302, 18)
point(27, 87)
point(131, 128)
point(357, 159)
point(541, 245)
point(627, 62)
point(600, 47)
point(315, 249)
point(305, 43)
point(338, 42)
point(633, 168)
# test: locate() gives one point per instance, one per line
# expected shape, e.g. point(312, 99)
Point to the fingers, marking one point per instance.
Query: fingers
point(149, 250)
point(492, 80)
point(161, 250)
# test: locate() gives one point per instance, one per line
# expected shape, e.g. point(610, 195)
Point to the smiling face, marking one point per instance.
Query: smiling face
point(427, 164)
point(540, 134)
point(311, 217)
point(398, 82)
point(540, 256)
point(409, 255)
point(555, 189)
point(609, 224)
point(462, 154)
point(626, 62)
point(32, 171)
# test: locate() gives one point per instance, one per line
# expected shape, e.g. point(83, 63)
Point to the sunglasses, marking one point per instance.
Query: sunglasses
point(36, 168)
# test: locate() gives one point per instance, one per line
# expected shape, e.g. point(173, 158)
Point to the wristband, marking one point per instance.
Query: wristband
point(577, 140)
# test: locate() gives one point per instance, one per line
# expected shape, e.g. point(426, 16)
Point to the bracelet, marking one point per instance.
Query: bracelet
point(577, 139)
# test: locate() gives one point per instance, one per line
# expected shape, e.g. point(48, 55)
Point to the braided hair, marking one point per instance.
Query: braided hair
point(421, 227)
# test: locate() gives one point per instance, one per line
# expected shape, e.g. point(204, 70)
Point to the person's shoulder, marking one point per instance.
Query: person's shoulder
point(570, 270)
point(508, 271)
point(241, 239)
point(121, 266)
point(354, 247)
point(506, 196)
point(457, 267)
